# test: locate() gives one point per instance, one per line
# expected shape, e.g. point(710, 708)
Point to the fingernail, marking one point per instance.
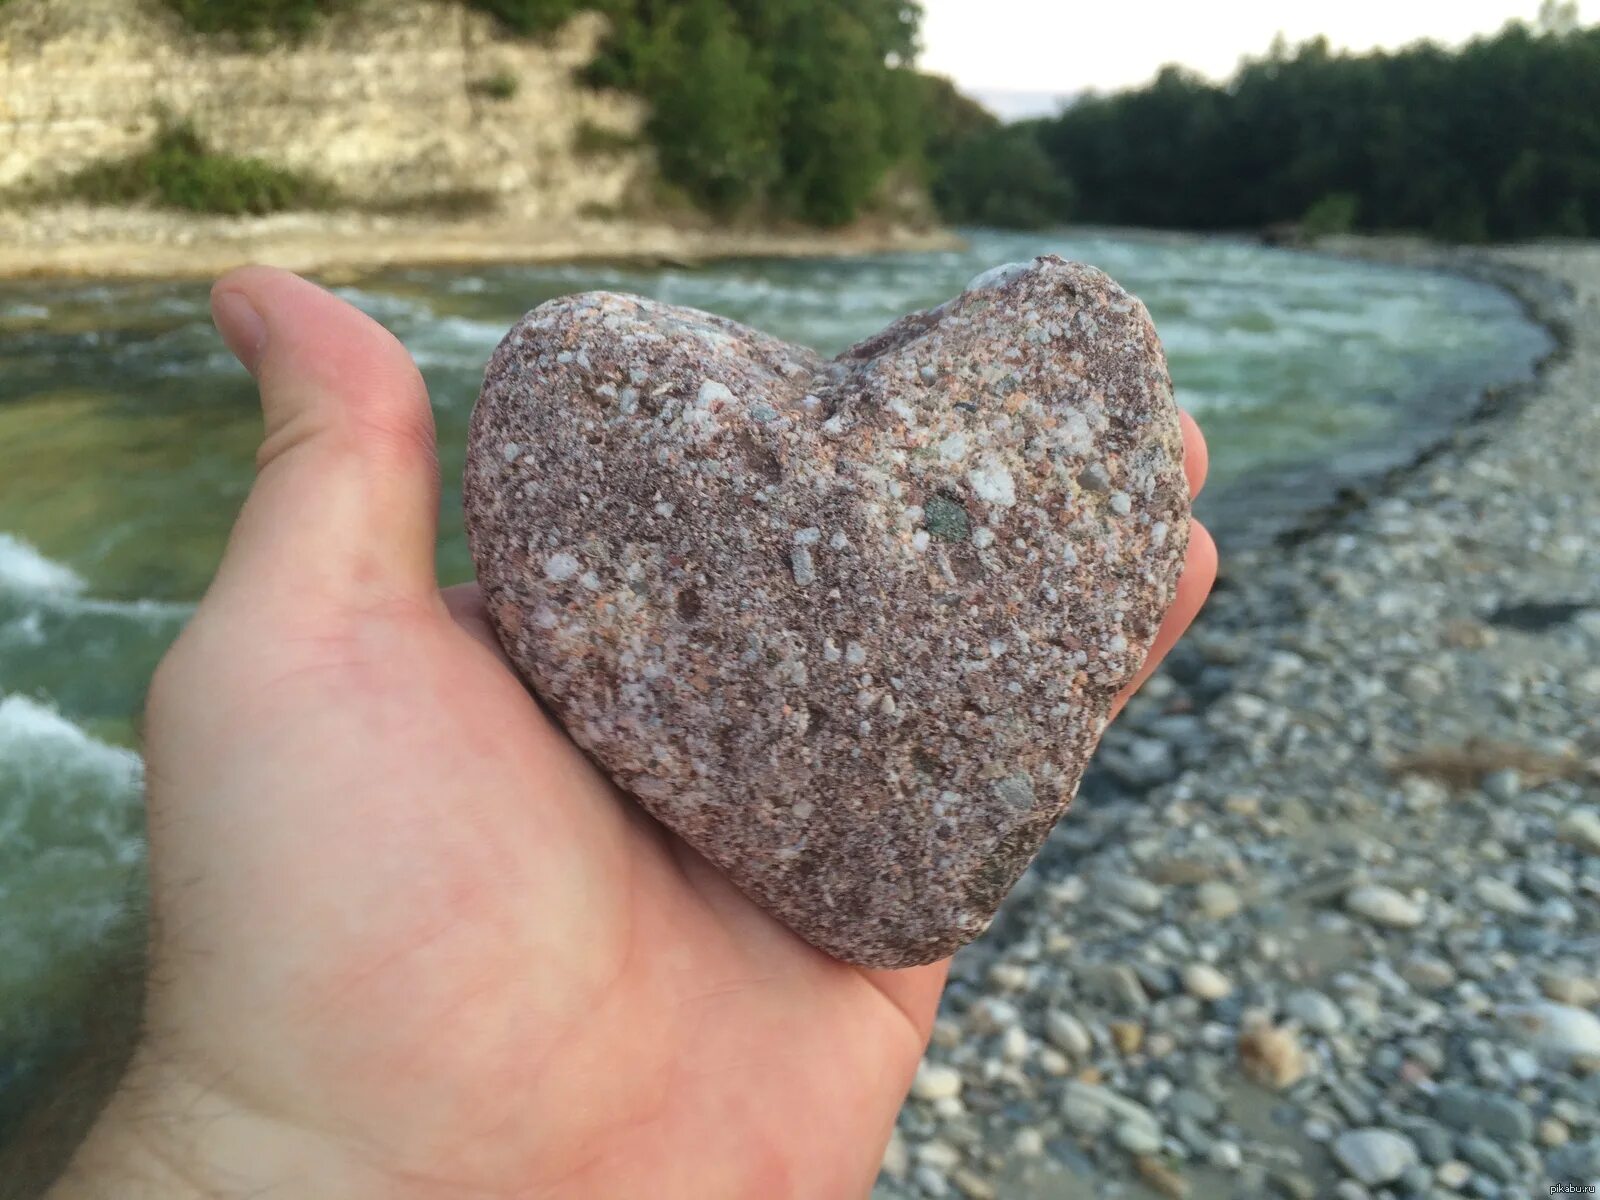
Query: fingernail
point(241, 327)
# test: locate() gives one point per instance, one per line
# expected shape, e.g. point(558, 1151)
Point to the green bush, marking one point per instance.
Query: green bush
point(178, 171)
point(789, 108)
point(1001, 178)
point(711, 118)
point(502, 85)
point(1333, 214)
point(946, 117)
point(452, 203)
point(287, 17)
point(533, 16)
point(590, 138)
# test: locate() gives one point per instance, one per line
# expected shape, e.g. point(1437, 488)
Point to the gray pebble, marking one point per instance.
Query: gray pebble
point(1502, 786)
point(1067, 1034)
point(1486, 1156)
point(1315, 1011)
point(1384, 906)
point(1374, 1156)
point(1217, 900)
point(1131, 892)
point(1118, 987)
point(1137, 1137)
point(1581, 827)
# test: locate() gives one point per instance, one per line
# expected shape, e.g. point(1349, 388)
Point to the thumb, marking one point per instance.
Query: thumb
point(344, 508)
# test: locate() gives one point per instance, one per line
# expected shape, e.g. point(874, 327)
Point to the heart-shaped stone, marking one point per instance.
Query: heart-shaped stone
point(851, 628)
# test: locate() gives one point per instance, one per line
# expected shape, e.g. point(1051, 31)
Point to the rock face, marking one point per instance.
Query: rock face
point(88, 81)
point(851, 628)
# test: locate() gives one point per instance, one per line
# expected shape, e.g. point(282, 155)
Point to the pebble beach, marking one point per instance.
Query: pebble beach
point(1325, 917)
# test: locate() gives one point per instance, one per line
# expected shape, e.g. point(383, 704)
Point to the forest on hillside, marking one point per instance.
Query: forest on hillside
point(1497, 140)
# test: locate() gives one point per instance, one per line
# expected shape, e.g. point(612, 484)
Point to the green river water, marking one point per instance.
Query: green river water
point(127, 432)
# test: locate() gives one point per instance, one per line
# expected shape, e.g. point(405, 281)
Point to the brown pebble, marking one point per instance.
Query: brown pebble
point(972, 1185)
point(851, 628)
point(1272, 1056)
point(1161, 1177)
point(1180, 870)
point(1127, 1036)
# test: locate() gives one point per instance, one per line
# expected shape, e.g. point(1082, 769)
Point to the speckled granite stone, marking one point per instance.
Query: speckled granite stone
point(851, 628)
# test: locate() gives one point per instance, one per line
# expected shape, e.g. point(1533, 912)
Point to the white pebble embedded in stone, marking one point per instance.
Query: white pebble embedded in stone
point(805, 572)
point(996, 276)
point(711, 392)
point(992, 481)
point(560, 567)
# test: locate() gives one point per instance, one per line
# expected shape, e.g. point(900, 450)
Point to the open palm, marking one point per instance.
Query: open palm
point(409, 942)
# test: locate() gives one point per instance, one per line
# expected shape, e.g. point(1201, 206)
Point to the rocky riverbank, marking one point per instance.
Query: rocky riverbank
point(1326, 918)
point(77, 241)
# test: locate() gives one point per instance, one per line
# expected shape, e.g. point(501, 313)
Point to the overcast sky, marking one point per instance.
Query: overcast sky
point(1065, 46)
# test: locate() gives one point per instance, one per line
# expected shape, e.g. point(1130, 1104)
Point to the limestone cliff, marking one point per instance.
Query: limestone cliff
point(391, 103)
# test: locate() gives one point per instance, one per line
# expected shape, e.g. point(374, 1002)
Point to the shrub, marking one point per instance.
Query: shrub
point(447, 202)
point(290, 18)
point(1002, 177)
point(532, 16)
point(1333, 214)
point(791, 107)
point(178, 171)
point(502, 85)
point(711, 107)
point(590, 138)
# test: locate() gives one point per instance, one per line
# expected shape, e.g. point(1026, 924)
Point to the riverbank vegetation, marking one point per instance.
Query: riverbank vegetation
point(788, 109)
point(1497, 140)
point(810, 111)
point(177, 170)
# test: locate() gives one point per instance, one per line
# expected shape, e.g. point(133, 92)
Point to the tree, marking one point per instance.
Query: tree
point(1003, 179)
point(1498, 139)
point(711, 107)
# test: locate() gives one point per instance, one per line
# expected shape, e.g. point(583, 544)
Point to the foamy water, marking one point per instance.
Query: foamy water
point(126, 435)
point(24, 570)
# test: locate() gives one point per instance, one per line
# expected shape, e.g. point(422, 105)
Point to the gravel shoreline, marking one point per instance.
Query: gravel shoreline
point(1324, 921)
point(78, 241)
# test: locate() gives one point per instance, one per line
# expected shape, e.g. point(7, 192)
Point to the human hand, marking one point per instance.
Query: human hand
point(408, 942)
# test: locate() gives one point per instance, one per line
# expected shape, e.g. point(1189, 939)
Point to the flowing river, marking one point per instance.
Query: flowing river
point(127, 432)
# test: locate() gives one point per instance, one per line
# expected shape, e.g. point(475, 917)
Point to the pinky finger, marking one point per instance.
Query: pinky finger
point(1194, 585)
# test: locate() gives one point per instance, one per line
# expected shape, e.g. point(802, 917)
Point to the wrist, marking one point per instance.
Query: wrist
point(165, 1137)
point(115, 1162)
